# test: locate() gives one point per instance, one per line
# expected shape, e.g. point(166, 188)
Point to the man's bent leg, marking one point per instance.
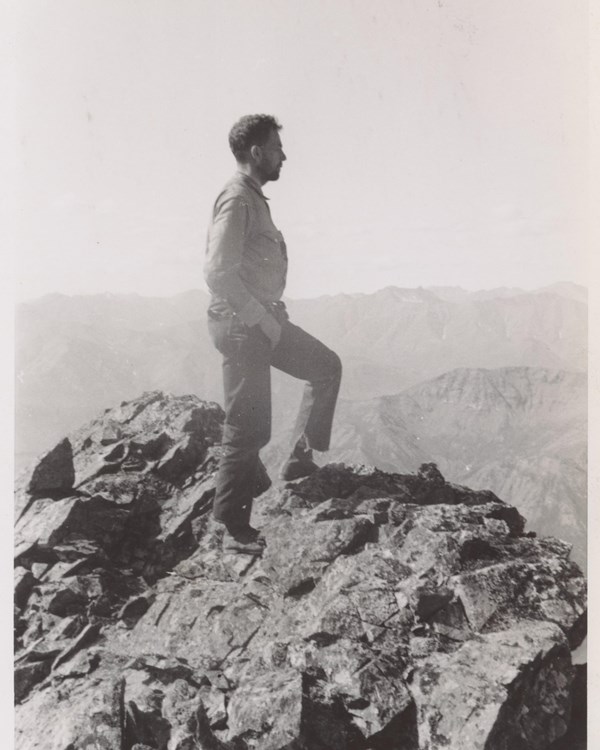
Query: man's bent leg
point(303, 356)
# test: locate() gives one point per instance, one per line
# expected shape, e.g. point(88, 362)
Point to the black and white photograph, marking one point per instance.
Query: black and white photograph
point(301, 359)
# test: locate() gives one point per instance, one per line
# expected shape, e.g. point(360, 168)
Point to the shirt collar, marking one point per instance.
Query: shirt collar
point(251, 182)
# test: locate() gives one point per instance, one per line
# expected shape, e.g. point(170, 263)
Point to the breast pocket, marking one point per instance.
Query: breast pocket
point(273, 244)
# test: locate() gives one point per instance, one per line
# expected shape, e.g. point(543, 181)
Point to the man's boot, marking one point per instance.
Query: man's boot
point(245, 541)
point(300, 463)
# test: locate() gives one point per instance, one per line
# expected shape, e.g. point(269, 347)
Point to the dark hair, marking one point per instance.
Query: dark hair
point(248, 131)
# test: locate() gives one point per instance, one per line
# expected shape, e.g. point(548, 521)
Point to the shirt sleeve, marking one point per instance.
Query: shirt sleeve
point(224, 252)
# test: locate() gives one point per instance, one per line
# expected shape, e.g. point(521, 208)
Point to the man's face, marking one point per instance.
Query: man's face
point(271, 157)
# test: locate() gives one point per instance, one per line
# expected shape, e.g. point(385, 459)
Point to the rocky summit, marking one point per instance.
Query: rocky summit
point(389, 611)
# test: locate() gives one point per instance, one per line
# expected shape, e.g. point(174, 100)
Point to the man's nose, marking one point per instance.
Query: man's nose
point(283, 156)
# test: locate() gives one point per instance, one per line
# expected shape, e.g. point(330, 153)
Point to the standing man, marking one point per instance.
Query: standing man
point(246, 269)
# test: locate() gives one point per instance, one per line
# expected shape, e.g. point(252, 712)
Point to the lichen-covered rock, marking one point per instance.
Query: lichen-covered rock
point(496, 595)
point(508, 689)
point(202, 623)
point(371, 686)
point(396, 612)
point(356, 598)
point(45, 526)
point(299, 551)
point(281, 708)
point(144, 697)
point(267, 711)
point(76, 713)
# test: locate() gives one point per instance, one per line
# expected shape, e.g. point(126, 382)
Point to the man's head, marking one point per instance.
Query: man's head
point(255, 143)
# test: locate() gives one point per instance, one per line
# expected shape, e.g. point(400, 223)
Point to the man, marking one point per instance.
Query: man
point(246, 268)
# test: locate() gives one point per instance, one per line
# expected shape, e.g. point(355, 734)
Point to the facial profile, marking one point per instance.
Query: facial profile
point(269, 157)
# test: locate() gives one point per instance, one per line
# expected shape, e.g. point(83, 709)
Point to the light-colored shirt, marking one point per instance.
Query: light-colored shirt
point(246, 257)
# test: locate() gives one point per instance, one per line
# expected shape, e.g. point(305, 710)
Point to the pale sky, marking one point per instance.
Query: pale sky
point(429, 141)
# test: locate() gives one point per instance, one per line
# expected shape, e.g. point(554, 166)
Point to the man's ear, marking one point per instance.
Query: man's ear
point(255, 152)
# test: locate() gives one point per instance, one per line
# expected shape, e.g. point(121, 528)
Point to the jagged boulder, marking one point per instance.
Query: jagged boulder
point(299, 551)
point(55, 473)
point(395, 612)
point(505, 689)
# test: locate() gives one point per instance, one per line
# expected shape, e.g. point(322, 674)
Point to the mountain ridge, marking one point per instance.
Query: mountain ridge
point(566, 289)
point(386, 611)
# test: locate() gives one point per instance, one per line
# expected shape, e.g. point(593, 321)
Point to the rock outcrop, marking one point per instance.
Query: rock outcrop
point(388, 611)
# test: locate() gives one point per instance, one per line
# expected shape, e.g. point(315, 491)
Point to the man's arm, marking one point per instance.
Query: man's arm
point(224, 254)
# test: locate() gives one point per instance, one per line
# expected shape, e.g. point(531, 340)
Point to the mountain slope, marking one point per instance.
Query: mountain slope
point(384, 611)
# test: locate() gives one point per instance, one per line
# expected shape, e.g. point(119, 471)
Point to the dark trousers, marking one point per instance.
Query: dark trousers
point(247, 361)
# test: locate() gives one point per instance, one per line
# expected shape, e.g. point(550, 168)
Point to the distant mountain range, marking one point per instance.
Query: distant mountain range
point(489, 384)
point(415, 334)
point(78, 355)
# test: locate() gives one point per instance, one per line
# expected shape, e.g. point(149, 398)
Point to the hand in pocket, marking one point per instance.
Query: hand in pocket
point(271, 328)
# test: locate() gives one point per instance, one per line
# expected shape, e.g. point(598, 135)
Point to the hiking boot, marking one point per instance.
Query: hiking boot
point(300, 463)
point(246, 541)
point(296, 468)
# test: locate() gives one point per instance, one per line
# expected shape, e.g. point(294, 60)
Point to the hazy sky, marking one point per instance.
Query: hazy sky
point(428, 141)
